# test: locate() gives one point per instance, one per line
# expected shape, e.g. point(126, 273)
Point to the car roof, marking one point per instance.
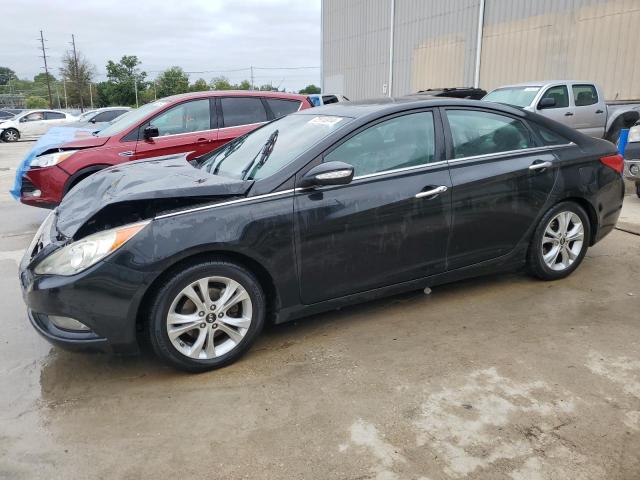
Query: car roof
point(544, 83)
point(362, 108)
point(233, 93)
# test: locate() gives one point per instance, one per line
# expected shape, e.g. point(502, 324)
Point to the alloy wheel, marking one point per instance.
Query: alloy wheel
point(209, 317)
point(11, 136)
point(562, 240)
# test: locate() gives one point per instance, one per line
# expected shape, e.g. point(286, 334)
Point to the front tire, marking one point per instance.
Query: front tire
point(559, 242)
point(206, 316)
point(10, 135)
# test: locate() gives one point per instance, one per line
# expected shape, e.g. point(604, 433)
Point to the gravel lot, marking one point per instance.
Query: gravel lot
point(496, 378)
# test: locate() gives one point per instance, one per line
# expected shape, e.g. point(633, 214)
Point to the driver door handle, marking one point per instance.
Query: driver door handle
point(433, 192)
point(568, 114)
point(540, 165)
point(203, 140)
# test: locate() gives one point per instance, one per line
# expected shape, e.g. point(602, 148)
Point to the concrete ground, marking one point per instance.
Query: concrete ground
point(502, 377)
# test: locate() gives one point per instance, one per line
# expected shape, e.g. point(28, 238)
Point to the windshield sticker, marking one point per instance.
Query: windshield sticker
point(325, 120)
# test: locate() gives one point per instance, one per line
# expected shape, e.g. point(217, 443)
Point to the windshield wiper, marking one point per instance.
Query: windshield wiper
point(265, 153)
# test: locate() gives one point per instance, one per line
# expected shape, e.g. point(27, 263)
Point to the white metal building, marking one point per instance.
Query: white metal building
point(380, 47)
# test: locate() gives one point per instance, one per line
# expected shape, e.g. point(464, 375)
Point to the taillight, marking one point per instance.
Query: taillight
point(614, 161)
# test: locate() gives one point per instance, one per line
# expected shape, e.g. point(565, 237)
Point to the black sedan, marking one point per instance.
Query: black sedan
point(320, 209)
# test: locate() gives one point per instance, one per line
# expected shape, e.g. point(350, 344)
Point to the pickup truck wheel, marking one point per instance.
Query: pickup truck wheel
point(10, 135)
point(638, 189)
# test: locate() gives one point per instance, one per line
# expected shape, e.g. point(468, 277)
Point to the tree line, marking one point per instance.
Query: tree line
point(126, 84)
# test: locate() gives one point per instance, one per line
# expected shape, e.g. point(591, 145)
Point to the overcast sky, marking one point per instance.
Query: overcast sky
point(197, 35)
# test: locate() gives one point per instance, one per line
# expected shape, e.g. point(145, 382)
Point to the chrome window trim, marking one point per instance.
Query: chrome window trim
point(224, 204)
point(512, 152)
point(399, 170)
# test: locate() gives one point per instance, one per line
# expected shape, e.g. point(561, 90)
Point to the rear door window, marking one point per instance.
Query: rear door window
point(281, 107)
point(107, 116)
point(54, 116)
point(584, 95)
point(242, 111)
point(193, 116)
point(476, 132)
point(560, 94)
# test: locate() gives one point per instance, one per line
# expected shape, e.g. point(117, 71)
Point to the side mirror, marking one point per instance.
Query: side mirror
point(23, 119)
point(93, 120)
point(150, 132)
point(548, 102)
point(330, 173)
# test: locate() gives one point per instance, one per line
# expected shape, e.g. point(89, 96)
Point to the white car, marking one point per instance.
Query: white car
point(32, 124)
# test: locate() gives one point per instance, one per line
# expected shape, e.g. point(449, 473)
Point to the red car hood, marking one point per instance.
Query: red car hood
point(87, 142)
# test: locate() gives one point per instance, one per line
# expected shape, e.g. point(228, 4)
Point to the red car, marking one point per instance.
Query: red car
point(191, 123)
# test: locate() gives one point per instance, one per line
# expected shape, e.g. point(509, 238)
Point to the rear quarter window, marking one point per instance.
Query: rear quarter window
point(281, 107)
point(548, 136)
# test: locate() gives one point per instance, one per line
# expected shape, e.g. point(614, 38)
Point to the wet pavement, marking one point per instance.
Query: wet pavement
point(503, 377)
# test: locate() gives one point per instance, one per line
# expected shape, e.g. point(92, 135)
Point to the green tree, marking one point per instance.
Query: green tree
point(172, 81)
point(41, 79)
point(77, 73)
point(199, 85)
point(122, 79)
point(267, 87)
point(221, 83)
point(36, 102)
point(6, 75)
point(309, 89)
point(243, 85)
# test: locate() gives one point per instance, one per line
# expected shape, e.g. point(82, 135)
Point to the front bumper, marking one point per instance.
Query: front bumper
point(106, 298)
point(632, 159)
point(48, 181)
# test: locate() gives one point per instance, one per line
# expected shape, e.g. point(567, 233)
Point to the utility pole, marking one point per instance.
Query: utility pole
point(77, 72)
point(251, 77)
point(91, 95)
point(46, 69)
point(155, 95)
point(135, 86)
point(64, 87)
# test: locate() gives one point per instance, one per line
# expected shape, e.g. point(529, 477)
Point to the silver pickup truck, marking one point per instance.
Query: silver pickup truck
point(577, 104)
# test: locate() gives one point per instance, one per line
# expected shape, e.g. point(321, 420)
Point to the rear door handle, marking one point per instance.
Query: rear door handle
point(540, 165)
point(568, 114)
point(203, 140)
point(599, 111)
point(433, 192)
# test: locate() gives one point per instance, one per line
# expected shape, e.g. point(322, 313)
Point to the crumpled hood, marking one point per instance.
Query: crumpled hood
point(146, 181)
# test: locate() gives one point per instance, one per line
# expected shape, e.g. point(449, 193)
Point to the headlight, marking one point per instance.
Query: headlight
point(51, 158)
point(634, 134)
point(82, 254)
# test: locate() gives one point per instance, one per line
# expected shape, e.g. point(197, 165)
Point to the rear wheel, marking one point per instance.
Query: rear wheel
point(10, 135)
point(206, 316)
point(560, 242)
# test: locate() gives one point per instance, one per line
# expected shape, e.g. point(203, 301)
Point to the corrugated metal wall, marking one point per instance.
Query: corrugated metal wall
point(435, 44)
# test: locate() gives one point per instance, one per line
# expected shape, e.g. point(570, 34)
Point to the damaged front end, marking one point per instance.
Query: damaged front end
point(140, 191)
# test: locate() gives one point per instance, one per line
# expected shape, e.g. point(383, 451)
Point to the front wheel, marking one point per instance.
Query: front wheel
point(10, 135)
point(559, 242)
point(206, 316)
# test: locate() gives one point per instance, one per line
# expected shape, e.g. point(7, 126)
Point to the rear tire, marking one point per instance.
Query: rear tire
point(559, 242)
point(638, 189)
point(10, 135)
point(197, 332)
